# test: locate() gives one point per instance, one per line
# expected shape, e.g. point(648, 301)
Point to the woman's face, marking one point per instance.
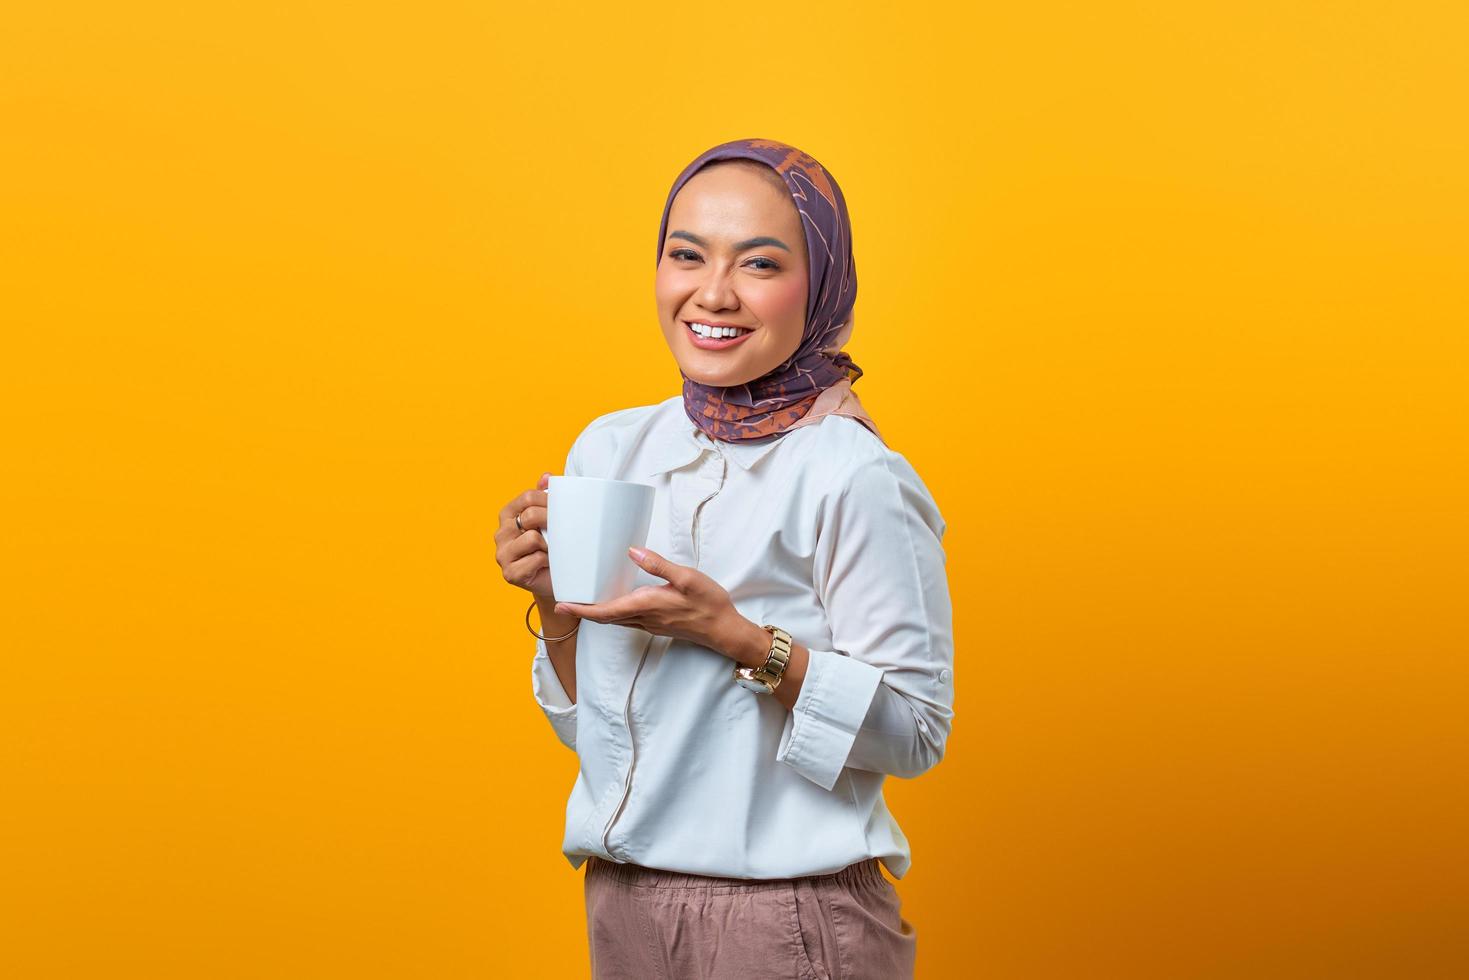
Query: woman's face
point(734, 255)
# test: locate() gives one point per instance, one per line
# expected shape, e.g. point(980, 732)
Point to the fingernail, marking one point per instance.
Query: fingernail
point(638, 554)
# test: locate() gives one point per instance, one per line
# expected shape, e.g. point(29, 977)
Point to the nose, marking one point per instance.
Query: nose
point(716, 292)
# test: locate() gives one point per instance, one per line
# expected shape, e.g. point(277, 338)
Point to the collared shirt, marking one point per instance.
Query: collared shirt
point(820, 530)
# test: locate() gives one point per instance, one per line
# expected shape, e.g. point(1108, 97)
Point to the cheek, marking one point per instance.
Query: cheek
point(781, 302)
point(667, 289)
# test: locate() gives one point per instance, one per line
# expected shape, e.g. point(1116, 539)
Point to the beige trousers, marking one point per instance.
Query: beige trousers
point(646, 924)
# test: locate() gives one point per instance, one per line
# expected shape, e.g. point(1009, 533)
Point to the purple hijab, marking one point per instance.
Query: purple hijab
point(786, 395)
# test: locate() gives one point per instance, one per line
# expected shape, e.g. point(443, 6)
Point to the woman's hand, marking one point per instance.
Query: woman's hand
point(522, 555)
point(692, 606)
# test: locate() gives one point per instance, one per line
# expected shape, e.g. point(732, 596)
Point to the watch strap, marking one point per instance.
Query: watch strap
point(776, 660)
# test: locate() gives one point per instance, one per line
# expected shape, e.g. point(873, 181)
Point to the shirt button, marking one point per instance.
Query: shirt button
point(944, 676)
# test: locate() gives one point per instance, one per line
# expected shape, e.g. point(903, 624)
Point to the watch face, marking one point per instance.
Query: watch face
point(759, 687)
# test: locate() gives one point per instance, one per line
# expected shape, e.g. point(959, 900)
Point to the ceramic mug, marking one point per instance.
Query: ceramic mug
point(590, 524)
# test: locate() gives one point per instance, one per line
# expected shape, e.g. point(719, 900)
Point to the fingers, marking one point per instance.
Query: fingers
point(533, 516)
point(638, 602)
point(524, 571)
point(597, 612)
point(531, 506)
point(527, 498)
point(521, 550)
point(582, 610)
point(531, 519)
point(521, 545)
point(656, 564)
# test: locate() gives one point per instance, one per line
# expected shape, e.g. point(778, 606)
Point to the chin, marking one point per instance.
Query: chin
point(718, 379)
point(729, 369)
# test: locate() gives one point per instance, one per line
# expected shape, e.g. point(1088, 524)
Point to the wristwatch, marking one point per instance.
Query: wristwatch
point(765, 678)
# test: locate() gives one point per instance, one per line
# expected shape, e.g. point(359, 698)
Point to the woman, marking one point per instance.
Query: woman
point(789, 642)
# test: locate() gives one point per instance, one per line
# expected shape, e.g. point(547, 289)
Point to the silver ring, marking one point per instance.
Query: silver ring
point(517, 523)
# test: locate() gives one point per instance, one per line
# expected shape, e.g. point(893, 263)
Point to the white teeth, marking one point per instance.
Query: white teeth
point(704, 330)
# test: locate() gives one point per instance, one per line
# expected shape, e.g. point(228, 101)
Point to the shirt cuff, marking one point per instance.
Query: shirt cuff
point(552, 697)
point(835, 695)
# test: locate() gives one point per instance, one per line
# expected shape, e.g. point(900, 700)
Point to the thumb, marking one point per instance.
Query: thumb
point(544, 481)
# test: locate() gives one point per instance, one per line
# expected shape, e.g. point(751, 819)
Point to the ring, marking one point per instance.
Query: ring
point(517, 524)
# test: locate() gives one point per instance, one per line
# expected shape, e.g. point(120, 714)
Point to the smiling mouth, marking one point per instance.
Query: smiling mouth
point(709, 337)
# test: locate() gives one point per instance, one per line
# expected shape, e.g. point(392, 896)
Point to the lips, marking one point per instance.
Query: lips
point(709, 343)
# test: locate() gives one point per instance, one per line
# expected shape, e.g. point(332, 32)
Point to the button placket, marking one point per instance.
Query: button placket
point(711, 470)
point(632, 752)
point(714, 469)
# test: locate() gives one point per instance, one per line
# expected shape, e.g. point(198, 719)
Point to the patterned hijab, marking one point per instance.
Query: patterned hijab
point(817, 379)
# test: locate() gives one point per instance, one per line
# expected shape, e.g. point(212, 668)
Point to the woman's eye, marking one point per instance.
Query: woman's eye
point(765, 265)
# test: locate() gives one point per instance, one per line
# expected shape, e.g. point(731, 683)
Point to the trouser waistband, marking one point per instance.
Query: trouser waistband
point(863, 872)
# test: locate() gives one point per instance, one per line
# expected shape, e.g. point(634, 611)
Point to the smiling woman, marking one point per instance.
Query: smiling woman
point(789, 644)
point(739, 204)
point(731, 293)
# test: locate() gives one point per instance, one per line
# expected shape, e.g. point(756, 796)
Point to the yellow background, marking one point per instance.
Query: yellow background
point(1165, 302)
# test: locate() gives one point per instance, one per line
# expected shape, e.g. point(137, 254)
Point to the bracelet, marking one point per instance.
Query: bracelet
point(548, 639)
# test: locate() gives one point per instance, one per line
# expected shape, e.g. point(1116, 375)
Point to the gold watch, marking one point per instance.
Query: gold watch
point(766, 678)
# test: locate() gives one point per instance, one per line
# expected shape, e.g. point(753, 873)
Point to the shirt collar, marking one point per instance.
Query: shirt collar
point(679, 442)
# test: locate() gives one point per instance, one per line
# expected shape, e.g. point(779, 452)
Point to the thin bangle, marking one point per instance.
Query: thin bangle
point(548, 639)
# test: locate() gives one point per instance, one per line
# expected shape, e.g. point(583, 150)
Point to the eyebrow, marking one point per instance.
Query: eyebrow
point(738, 246)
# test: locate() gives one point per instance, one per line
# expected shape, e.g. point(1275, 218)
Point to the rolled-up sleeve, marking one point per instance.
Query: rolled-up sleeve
point(882, 698)
point(549, 692)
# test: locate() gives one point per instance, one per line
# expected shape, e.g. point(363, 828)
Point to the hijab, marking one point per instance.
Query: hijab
point(817, 379)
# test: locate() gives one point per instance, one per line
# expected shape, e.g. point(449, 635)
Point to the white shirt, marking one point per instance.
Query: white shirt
point(820, 530)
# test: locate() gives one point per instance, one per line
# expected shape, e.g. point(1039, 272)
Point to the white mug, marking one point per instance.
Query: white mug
point(590, 524)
